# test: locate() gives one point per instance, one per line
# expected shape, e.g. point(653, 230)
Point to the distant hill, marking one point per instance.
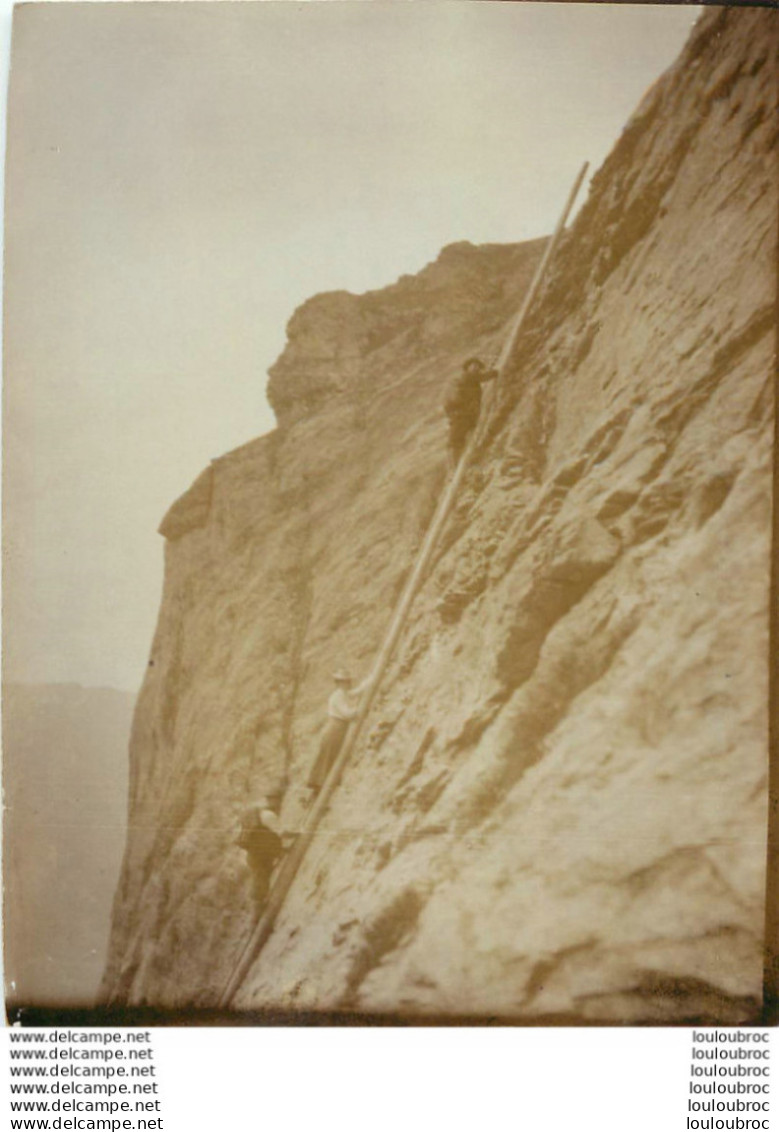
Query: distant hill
point(64, 827)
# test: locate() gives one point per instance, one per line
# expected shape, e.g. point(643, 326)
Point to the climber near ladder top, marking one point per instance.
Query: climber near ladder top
point(462, 404)
point(342, 707)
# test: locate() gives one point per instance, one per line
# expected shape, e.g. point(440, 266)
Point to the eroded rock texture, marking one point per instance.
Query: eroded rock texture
point(558, 807)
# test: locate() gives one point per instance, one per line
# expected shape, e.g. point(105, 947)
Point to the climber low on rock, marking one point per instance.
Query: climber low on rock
point(261, 839)
point(462, 404)
point(342, 707)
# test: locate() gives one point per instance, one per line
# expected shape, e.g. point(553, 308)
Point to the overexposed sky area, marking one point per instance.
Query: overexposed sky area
point(180, 177)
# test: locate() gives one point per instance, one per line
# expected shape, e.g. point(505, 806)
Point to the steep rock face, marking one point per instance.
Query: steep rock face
point(348, 344)
point(558, 806)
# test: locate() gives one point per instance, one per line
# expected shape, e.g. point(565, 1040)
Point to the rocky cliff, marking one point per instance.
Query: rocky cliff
point(64, 789)
point(558, 807)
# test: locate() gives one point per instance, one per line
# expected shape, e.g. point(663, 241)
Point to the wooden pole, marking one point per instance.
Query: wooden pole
point(298, 851)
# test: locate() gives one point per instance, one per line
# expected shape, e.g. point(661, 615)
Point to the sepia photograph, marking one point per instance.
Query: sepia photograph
point(388, 458)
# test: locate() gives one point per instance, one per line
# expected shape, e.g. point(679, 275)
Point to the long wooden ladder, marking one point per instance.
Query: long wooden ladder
point(294, 858)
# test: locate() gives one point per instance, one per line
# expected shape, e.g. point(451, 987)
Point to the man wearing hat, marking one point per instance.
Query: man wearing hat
point(462, 404)
point(260, 838)
point(342, 707)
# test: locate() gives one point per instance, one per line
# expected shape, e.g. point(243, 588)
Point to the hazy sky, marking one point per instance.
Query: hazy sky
point(181, 176)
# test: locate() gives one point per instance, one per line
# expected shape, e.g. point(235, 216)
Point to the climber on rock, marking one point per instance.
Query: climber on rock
point(261, 840)
point(342, 707)
point(462, 405)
